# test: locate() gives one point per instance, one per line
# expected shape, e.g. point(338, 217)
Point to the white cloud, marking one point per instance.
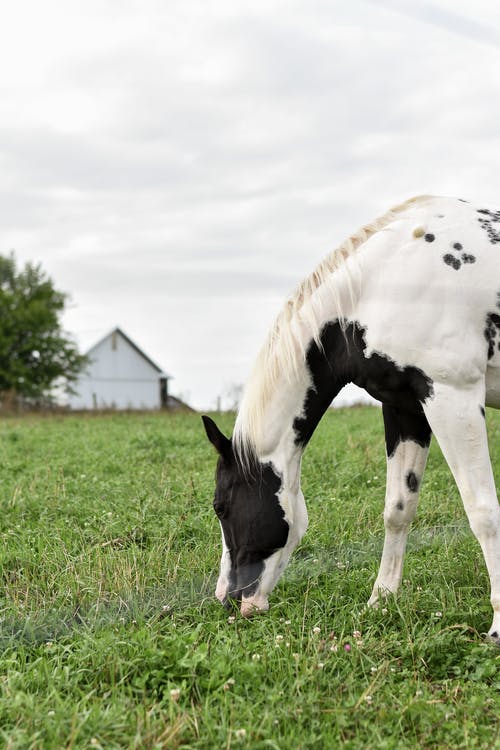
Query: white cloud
point(179, 166)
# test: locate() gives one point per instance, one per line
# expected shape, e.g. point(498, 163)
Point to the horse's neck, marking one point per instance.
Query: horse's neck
point(322, 380)
point(296, 377)
point(297, 404)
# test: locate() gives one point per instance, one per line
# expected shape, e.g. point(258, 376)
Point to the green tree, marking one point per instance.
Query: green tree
point(35, 353)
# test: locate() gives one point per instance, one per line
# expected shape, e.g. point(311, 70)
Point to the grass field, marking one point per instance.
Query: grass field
point(111, 637)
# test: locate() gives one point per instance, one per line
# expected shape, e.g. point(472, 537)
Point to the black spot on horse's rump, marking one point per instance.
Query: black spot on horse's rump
point(429, 237)
point(400, 505)
point(481, 409)
point(450, 260)
point(491, 218)
point(495, 319)
point(412, 481)
point(468, 258)
point(457, 246)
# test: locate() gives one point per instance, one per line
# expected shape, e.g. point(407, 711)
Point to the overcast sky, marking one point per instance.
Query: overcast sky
point(178, 166)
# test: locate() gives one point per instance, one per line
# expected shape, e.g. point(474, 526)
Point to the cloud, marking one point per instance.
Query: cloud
point(448, 19)
point(178, 167)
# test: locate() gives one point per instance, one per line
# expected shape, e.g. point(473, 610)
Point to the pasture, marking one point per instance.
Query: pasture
point(111, 637)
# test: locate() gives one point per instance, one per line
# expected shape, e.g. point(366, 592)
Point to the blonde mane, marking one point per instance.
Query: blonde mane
point(283, 352)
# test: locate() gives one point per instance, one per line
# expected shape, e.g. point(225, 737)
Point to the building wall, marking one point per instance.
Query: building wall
point(118, 377)
point(116, 394)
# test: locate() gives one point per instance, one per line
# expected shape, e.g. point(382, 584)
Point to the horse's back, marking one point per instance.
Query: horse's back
point(430, 294)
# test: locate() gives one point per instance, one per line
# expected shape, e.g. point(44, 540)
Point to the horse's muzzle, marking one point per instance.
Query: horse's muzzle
point(248, 606)
point(252, 605)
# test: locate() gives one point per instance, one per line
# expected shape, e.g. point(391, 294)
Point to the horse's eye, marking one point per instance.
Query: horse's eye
point(219, 507)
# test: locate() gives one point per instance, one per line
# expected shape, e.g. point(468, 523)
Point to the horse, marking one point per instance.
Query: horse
point(407, 308)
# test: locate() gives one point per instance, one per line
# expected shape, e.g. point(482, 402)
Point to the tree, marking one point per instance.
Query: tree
point(35, 353)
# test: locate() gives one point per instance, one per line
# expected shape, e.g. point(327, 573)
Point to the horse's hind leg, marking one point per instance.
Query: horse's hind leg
point(407, 439)
point(457, 419)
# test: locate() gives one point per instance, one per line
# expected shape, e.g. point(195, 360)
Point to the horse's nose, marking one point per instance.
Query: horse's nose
point(248, 610)
point(252, 605)
point(231, 600)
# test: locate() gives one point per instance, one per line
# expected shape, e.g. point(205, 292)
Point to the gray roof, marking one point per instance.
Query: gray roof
point(134, 346)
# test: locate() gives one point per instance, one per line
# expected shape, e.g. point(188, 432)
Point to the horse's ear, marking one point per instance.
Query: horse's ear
point(221, 443)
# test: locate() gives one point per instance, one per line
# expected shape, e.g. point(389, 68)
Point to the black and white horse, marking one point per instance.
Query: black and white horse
point(409, 309)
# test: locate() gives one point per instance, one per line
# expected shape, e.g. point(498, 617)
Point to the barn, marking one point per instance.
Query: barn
point(121, 376)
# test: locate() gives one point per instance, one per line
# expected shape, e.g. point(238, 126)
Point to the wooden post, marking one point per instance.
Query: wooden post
point(164, 393)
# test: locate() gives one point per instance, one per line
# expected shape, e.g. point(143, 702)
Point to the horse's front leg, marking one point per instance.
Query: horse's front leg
point(407, 444)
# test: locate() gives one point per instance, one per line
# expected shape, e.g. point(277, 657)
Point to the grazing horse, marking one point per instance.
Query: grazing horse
point(409, 309)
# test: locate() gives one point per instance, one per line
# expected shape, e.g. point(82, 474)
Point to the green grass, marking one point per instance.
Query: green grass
point(109, 554)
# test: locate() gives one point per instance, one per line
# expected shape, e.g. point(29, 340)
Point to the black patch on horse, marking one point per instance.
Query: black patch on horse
point(492, 326)
point(252, 520)
point(486, 221)
point(450, 260)
point(403, 424)
point(454, 262)
point(412, 481)
point(339, 359)
point(468, 258)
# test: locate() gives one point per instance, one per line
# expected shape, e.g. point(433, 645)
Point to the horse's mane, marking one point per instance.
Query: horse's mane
point(283, 351)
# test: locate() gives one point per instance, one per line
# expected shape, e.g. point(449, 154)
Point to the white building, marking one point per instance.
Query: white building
point(121, 376)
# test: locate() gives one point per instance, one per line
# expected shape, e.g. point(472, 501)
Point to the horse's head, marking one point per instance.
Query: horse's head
point(257, 538)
